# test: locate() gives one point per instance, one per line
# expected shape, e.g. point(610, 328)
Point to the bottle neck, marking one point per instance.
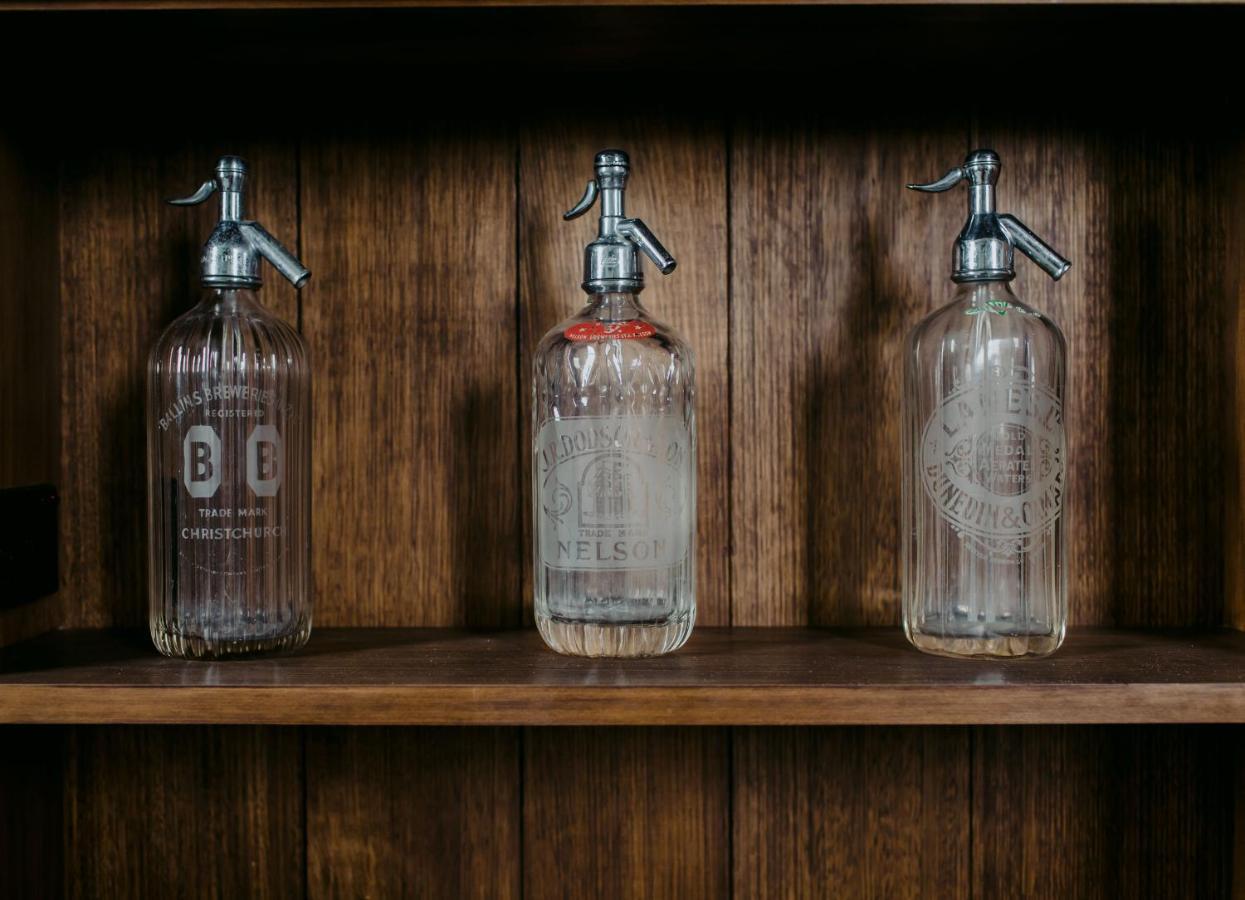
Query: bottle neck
point(615, 306)
point(981, 293)
point(231, 301)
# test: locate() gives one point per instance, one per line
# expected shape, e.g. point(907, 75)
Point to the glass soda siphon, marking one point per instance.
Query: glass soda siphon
point(229, 453)
point(984, 451)
point(614, 455)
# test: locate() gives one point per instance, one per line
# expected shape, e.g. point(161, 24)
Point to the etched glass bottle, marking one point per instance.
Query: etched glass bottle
point(614, 455)
point(229, 455)
point(984, 451)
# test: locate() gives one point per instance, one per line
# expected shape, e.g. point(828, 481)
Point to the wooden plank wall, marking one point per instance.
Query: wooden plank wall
point(439, 259)
point(1233, 400)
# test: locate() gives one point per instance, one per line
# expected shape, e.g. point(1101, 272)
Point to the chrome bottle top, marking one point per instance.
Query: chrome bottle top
point(610, 262)
point(984, 249)
point(233, 250)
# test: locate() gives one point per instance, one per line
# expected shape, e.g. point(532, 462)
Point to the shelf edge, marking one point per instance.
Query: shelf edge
point(1135, 704)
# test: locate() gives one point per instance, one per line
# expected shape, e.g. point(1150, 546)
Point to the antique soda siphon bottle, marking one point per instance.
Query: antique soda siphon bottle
point(614, 457)
point(229, 453)
point(984, 451)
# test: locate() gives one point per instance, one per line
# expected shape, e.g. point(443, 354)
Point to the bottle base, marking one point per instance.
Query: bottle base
point(627, 640)
point(181, 646)
point(998, 646)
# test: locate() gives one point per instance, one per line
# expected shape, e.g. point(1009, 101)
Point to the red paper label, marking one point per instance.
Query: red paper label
point(609, 331)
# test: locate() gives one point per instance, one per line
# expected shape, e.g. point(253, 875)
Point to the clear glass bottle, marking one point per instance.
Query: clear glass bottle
point(614, 455)
point(984, 450)
point(229, 455)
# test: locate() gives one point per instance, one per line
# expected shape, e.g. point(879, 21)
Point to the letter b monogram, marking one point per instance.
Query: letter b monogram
point(263, 460)
point(201, 461)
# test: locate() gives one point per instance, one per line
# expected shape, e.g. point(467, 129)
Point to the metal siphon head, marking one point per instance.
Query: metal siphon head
point(984, 250)
point(611, 262)
point(233, 250)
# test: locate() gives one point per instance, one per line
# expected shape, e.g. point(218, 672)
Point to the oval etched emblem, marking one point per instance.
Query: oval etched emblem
point(992, 460)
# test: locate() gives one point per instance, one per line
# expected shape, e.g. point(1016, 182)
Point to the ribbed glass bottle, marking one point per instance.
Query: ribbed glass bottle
point(229, 466)
point(614, 482)
point(984, 464)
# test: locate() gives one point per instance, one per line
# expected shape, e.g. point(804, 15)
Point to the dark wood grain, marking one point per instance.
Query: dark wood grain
point(678, 186)
point(32, 807)
point(746, 676)
point(129, 264)
point(614, 813)
point(420, 235)
point(1236, 745)
point(836, 812)
point(832, 264)
point(413, 813)
point(411, 323)
point(1231, 403)
point(29, 346)
point(156, 813)
point(1137, 211)
point(149, 812)
point(1093, 812)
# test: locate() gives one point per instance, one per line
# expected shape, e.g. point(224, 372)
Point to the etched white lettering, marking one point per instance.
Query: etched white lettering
point(993, 460)
point(615, 492)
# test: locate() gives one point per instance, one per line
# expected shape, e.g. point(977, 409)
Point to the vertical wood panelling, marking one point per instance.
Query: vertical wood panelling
point(1058, 186)
point(29, 346)
point(611, 813)
point(1236, 745)
point(803, 264)
point(32, 812)
point(412, 330)
point(633, 813)
point(678, 186)
point(851, 812)
point(129, 264)
point(1143, 217)
point(832, 263)
point(430, 812)
point(1102, 812)
point(196, 812)
point(1233, 408)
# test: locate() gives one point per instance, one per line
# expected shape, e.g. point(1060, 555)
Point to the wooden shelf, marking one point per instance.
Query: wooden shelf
point(722, 677)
